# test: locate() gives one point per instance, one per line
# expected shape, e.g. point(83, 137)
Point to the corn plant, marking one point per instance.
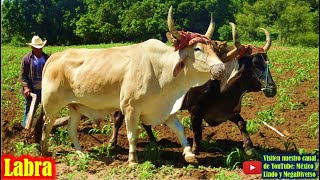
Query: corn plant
point(105, 149)
point(146, 170)
point(152, 152)
point(73, 159)
point(21, 149)
point(144, 134)
point(61, 137)
point(210, 145)
point(186, 122)
point(288, 143)
point(235, 158)
point(106, 129)
point(313, 124)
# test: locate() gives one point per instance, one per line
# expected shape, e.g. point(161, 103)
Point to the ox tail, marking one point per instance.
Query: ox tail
point(39, 126)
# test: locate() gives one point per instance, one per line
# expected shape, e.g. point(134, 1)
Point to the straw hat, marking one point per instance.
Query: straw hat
point(37, 42)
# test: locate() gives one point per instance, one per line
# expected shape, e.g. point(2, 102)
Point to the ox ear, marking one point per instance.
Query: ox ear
point(179, 67)
point(171, 38)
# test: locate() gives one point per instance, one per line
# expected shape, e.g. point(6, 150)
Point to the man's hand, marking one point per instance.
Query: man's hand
point(26, 91)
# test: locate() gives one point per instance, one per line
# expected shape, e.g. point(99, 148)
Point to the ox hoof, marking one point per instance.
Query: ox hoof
point(80, 154)
point(191, 160)
point(133, 158)
point(132, 164)
point(251, 152)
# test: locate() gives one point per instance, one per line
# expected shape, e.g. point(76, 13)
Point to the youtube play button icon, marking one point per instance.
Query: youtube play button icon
point(252, 167)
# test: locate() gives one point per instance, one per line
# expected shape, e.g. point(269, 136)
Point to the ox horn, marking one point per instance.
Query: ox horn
point(210, 30)
point(171, 25)
point(267, 45)
point(234, 52)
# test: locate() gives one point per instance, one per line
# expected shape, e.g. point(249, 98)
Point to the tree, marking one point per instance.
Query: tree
point(289, 21)
point(100, 22)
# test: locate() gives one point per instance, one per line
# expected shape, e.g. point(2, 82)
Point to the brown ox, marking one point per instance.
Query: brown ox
point(146, 81)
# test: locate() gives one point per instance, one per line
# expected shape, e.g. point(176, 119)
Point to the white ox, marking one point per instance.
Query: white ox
point(146, 81)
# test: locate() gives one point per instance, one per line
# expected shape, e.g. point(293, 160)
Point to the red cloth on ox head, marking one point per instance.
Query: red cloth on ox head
point(189, 39)
point(250, 50)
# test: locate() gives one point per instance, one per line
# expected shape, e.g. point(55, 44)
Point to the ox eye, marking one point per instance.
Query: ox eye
point(197, 49)
point(255, 63)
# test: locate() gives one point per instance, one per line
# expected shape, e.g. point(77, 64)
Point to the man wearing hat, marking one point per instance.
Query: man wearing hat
point(31, 73)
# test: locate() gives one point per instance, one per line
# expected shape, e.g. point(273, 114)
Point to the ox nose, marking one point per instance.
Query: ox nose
point(270, 91)
point(218, 71)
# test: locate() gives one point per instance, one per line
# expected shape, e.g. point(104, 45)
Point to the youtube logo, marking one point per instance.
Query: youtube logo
point(252, 167)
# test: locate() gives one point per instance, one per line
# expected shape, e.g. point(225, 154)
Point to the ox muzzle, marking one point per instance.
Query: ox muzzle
point(218, 71)
point(268, 86)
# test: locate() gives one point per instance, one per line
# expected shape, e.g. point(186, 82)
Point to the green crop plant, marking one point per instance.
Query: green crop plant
point(252, 126)
point(246, 100)
point(144, 134)
point(152, 152)
point(61, 137)
point(288, 144)
point(73, 159)
point(235, 158)
point(223, 176)
point(210, 144)
point(147, 170)
point(104, 149)
point(21, 149)
point(166, 171)
point(106, 129)
point(313, 124)
point(186, 122)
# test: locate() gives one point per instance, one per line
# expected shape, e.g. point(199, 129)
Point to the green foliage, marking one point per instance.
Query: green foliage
point(74, 159)
point(106, 129)
point(61, 137)
point(146, 170)
point(152, 152)
point(313, 124)
point(267, 115)
point(144, 134)
point(186, 122)
point(292, 22)
point(21, 149)
point(210, 145)
point(105, 149)
point(288, 143)
point(235, 158)
point(67, 22)
point(223, 176)
point(225, 32)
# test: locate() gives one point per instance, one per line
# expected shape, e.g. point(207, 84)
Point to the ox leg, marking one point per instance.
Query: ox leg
point(132, 122)
point(117, 122)
point(247, 143)
point(72, 126)
point(148, 129)
point(46, 132)
point(174, 123)
point(196, 123)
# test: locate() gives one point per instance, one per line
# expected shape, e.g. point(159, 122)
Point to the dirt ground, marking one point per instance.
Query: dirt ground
point(227, 137)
